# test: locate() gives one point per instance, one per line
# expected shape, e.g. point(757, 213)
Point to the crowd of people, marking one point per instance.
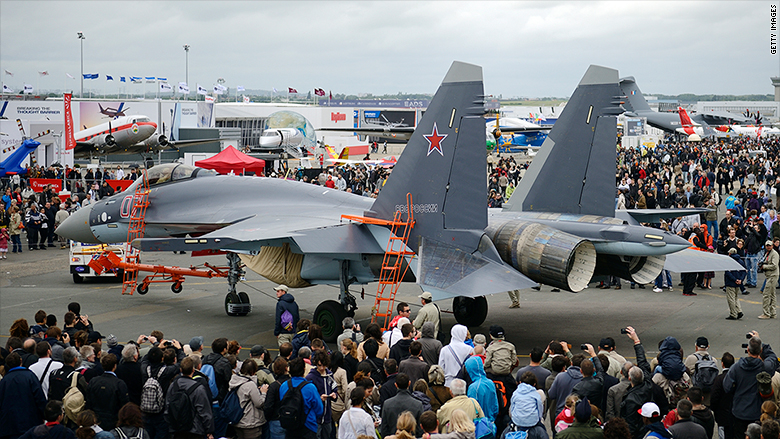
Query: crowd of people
point(74, 382)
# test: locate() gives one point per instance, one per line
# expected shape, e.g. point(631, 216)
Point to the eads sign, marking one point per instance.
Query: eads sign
point(335, 117)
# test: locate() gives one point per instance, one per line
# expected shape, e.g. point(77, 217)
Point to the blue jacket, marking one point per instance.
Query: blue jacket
point(286, 303)
point(312, 404)
point(741, 380)
point(300, 340)
point(731, 277)
point(527, 408)
point(325, 386)
point(21, 402)
point(481, 388)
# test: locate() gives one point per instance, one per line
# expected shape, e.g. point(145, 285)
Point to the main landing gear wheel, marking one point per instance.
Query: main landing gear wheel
point(470, 311)
point(142, 288)
point(77, 279)
point(329, 315)
point(244, 298)
point(231, 299)
point(176, 287)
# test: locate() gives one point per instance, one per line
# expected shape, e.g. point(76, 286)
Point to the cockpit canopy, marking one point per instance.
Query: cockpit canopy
point(169, 172)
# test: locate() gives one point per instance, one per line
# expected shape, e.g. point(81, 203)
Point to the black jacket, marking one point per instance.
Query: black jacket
point(130, 373)
point(286, 303)
point(400, 351)
point(720, 401)
point(636, 396)
point(106, 394)
point(687, 429)
point(592, 386)
point(272, 400)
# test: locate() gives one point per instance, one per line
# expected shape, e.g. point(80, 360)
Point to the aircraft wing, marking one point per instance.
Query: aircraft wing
point(694, 261)
point(636, 216)
point(447, 271)
point(393, 133)
point(184, 143)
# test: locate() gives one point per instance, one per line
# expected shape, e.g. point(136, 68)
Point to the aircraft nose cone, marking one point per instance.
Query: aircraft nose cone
point(76, 226)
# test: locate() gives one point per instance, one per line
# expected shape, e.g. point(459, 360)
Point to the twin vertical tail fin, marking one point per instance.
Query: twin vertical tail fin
point(574, 171)
point(443, 164)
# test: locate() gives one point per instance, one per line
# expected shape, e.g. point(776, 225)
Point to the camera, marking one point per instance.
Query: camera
point(145, 339)
point(624, 330)
point(748, 336)
point(744, 345)
point(167, 343)
point(584, 347)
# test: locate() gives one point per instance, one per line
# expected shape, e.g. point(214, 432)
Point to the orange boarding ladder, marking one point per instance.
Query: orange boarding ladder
point(135, 230)
point(391, 273)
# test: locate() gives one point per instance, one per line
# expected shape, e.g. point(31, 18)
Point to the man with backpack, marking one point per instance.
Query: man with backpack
point(217, 368)
point(702, 368)
point(300, 404)
point(286, 315)
point(156, 377)
point(188, 411)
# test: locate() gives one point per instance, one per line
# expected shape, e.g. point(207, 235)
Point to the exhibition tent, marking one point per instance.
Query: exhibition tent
point(233, 160)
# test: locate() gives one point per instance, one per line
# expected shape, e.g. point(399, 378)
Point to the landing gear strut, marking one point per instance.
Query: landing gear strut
point(236, 304)
point(330, 313)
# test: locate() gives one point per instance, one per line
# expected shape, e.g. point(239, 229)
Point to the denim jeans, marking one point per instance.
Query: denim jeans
point(275, 430)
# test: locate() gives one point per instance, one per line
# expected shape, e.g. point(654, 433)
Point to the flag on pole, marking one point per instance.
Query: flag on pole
point(151, 78)
point(184, 88)
point(217, 90)
point(209, 98)
point(165, 87)
point(70, 141)
point(275, 90)
point(91, 75)
point(8, 73)
point(291, 90)
point(28, 89)
point(202, 91)
point(162, 79)
point(69, 76)
point(330, 93)
point(246, 99)
point(7, 89)
point(44, 73)
point(136, 79)
point(240, 88)
point(122, 79)
point(109, 78)
point(319, 92)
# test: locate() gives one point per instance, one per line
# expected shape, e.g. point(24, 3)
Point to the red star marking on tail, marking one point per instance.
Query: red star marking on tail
point(434, 141)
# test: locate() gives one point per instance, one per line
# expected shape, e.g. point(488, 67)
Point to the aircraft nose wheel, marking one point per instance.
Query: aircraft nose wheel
point(237, 304)
point(470, 311)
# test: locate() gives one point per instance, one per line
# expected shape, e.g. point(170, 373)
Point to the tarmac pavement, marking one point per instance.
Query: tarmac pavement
point(40, 280)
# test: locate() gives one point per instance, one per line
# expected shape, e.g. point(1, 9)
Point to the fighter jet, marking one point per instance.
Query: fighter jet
point(636, 106)
point(294, 233)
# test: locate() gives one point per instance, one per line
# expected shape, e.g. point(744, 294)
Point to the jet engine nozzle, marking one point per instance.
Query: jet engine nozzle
point(545, 254)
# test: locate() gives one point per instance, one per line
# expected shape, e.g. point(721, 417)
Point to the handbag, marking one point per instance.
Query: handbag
point(483, 428)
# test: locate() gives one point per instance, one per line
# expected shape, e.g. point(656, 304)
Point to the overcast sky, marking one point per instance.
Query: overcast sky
point(529, 49)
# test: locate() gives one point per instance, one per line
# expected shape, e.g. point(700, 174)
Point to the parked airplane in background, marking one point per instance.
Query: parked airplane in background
point(13, 163)
point(135, 134)
point(512, 134)
point(386, 129)
point(113, 112)
point(636, 106)
point(558, 228)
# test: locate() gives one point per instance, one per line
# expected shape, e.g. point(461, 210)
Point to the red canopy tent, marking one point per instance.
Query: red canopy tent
point(231, 159)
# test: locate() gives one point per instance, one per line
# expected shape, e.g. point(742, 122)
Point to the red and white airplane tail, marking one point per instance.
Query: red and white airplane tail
point(685, 121)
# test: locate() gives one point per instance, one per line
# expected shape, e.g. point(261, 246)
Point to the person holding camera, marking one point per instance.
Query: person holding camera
point(755, 233)
point(771, 270)
point(741, 382)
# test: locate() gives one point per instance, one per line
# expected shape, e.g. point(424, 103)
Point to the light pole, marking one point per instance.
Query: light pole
point(187, 64)
point(81, 39)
